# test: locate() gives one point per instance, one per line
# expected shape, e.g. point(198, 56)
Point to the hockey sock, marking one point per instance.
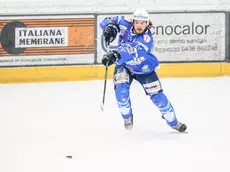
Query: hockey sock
point(165, 107)
point(123, 100)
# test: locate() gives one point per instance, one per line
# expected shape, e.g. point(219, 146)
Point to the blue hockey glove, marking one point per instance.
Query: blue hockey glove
point(111, 57)
point(110, 33)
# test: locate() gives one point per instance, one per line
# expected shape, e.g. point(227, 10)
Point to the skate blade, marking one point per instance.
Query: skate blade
point(129, 127)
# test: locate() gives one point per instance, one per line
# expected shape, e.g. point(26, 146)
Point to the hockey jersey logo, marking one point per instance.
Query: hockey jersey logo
point(140, 46)
point(146, 38)
point(135, 61)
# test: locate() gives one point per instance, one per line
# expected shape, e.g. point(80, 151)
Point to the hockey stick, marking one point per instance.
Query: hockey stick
point(105, 83)
point(104, 91)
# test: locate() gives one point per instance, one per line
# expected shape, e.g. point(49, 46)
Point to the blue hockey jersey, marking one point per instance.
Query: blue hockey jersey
point(135, 49)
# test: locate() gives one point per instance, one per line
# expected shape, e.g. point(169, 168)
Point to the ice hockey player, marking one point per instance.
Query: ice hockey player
point(134, 60)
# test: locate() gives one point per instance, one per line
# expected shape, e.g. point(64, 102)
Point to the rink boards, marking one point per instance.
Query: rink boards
point(50, 48)
point(83, 73)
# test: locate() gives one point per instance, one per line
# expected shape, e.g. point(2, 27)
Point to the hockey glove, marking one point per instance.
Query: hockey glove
point(111, 57)
point(110, 33)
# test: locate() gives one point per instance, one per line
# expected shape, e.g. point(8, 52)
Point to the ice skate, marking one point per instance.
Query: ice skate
point(128, 123)
point(180, 127)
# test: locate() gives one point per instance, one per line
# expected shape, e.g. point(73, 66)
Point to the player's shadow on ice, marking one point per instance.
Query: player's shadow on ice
point(176, 132)
point(159, 135)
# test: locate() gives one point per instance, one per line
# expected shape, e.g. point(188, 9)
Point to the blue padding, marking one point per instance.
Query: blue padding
point(122, 92)
point(160, 100)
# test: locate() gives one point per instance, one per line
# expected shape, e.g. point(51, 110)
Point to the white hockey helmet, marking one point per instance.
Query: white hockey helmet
point(141, 14)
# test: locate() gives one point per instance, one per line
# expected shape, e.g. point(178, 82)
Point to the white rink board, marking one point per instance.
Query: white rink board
point(185, 37)
point(7, 61)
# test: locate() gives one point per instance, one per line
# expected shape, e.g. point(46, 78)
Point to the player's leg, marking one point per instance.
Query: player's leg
point(122, 81)
point(153, 88)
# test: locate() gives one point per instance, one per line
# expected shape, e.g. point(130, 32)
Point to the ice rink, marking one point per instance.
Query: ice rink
point(41, 124)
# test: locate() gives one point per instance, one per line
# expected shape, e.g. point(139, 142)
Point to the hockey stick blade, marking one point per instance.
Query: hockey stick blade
point(102, 107)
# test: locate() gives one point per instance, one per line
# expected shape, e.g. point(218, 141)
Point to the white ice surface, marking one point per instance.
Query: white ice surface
point(40, 124)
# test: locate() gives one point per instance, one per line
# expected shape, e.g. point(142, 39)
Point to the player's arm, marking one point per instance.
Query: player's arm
point(111, 26)
point(148, 41)
point(151, 59)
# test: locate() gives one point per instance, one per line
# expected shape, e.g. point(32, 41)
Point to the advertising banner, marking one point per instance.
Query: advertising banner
point(43, 40)
point(182, 37)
